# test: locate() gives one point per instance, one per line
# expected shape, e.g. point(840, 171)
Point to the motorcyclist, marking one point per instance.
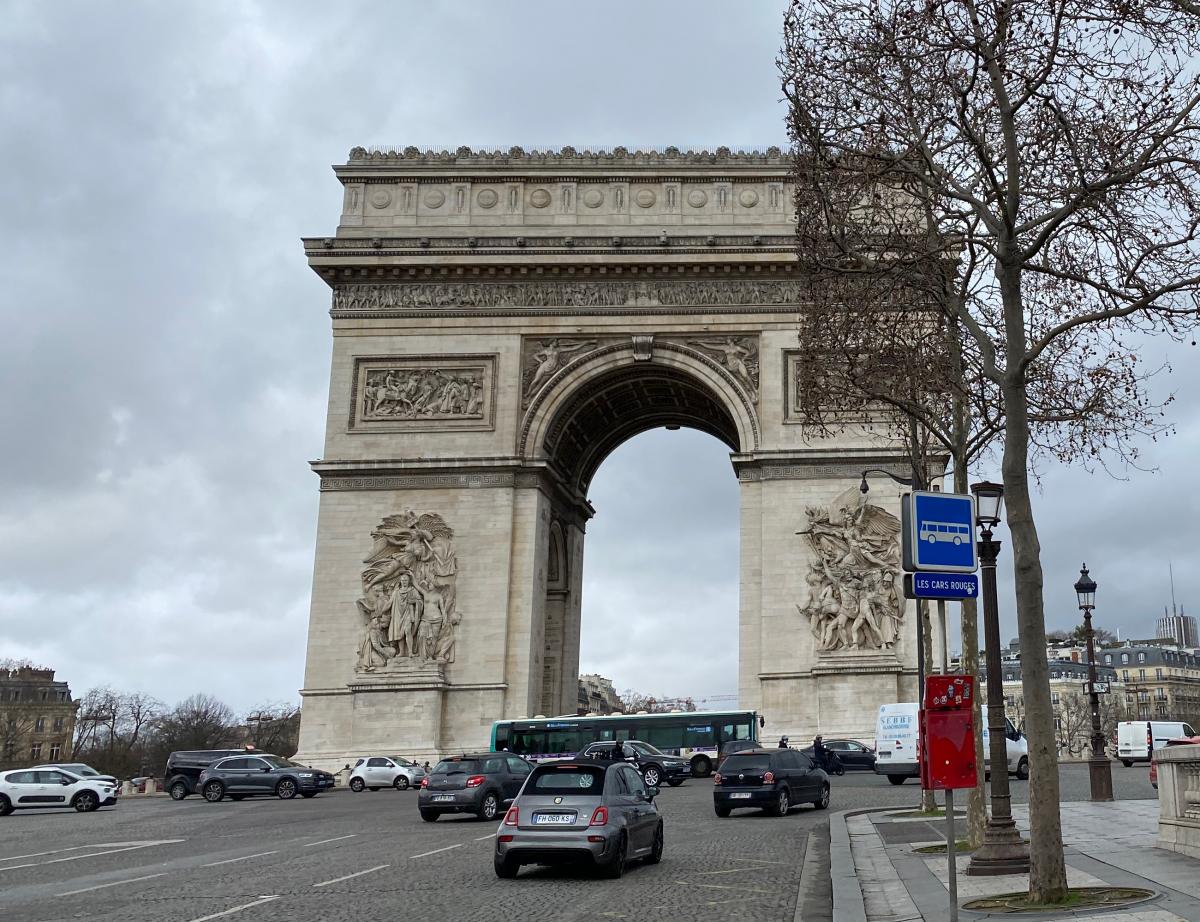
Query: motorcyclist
point(783, 742)
point(820, 753)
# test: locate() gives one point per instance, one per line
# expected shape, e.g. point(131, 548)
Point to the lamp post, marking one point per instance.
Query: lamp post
point(1003, 850)
point(1099, 767)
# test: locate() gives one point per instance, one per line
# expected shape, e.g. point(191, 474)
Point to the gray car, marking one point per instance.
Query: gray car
point(600, 813)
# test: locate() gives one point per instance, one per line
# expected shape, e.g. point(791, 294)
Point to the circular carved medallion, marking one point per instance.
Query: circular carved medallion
point(539, 198)
point(381, 198)
point(645, 198)
point(697, 198)
point(435, 198)
point(487, 198)
point(748, 198)
point(593, 198)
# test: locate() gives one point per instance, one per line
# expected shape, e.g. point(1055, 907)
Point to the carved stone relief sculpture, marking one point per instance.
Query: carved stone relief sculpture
point(736, 354)
point(853, 601)
point(550, 356)
point(408, 605)
point(426, 393)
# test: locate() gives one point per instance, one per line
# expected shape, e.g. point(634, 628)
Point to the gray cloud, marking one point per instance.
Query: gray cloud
point(165, 350)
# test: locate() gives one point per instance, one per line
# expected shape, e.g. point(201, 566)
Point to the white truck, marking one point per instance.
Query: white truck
point(1137, 739)
point(897, 738)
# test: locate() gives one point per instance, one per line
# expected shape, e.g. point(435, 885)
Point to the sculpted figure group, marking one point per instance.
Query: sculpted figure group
point(422, 393)
point(408, 602)
point(853, 602)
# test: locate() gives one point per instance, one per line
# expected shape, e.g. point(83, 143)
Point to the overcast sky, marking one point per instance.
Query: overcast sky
point(165, 349)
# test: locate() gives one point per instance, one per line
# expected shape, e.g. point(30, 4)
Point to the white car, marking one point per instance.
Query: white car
point(52, 787)
point(80, 769)
point(375, 772)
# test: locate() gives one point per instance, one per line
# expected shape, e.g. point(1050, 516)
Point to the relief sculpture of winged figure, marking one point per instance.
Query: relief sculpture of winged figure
point(853, 601)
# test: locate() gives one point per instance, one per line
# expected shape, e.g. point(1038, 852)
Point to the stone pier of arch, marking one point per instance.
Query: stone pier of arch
point(503, 321)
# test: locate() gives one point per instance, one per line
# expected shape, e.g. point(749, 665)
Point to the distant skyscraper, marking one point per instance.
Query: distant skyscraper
point(1174, 624)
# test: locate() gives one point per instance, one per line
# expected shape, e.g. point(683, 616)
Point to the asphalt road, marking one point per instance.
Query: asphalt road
point(369, 856)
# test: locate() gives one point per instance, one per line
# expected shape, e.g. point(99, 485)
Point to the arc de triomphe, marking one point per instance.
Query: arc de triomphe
point(501, 323)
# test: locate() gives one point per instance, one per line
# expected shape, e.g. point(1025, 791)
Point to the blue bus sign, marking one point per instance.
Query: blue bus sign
point(947, 586)
point(938, 532)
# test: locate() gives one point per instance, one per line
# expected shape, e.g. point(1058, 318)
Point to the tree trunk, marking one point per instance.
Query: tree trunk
point(1047, 868)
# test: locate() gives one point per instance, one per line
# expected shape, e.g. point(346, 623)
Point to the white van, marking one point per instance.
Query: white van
point(1136, 738)
point(897, 737)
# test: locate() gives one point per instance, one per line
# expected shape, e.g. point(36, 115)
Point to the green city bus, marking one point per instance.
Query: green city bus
point(694, 735)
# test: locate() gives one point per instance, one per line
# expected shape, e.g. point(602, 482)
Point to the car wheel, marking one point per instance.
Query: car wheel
point(1126, 763)
point(674, 782)
point(896, 779)
point(85, 802)
point(401, 783)
point(506, 867)
point(701, 766)
point(179, 791)
point(308, 794)
point(823, 801)
point(214, 791)
point(782, 803)
point(652, 776)
point(357, 785)
point(656, 851)
point(489, 808)
point(430, 816)
point(616, 867)
point(286, 789)
point(722, 812)
point(1023, 769)
point(6, 806)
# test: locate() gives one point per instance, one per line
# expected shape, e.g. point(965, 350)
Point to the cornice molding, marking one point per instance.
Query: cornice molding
point(566, 157)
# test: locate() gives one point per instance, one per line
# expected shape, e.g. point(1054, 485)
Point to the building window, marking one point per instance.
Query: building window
point(1143, 696)
point(1158, 674)
point(1124, 659)
point(1142, 657)
point(35, 751)
point(39, 725)
point(55, 752)
point(45, 694)
point(16, 694)
point(1162, 710)
point(1141, 675)
point(1054, 701)
point(58, 724)
point(1124, 675)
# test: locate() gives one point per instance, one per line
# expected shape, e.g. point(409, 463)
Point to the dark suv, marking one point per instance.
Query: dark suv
point(481, 784)
point(774, 780)
point(182, 775)
point(247, 775)
point(656, 766)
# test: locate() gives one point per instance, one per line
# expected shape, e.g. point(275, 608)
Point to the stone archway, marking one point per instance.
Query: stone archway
point(501, 323)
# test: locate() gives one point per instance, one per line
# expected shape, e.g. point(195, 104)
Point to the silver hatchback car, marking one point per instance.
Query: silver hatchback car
point(602, 813)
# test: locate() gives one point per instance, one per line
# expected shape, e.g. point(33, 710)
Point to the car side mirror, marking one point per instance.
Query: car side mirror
point(651, 792)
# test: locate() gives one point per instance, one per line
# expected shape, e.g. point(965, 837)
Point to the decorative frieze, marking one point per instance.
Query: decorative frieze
point(418, 393)
point(567, 156)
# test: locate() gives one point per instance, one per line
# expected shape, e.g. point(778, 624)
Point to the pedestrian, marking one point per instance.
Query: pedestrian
point(783, 742)
point(618, 751)
point(819, 751)
point(426, 766)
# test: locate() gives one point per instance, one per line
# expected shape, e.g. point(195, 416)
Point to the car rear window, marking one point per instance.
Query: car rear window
point(567, 779)
point(454, 766)
point(743, 763)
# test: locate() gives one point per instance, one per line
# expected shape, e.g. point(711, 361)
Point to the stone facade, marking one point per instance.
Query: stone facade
point(501, 323)
point(37, 717)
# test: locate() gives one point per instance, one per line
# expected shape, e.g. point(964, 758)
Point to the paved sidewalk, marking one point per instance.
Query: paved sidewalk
point(878, 877)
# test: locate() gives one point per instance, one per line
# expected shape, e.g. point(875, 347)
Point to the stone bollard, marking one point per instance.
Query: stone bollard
point(342, 778)
point(151, 786)
point(126, 788)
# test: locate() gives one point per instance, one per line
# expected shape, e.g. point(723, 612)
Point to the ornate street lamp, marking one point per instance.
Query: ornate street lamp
point(1099, 767)
point(1003, 850)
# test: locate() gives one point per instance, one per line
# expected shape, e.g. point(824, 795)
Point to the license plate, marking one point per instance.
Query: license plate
point(744, 795)
point(553, 819)
point(443, 798)
point(885, 755)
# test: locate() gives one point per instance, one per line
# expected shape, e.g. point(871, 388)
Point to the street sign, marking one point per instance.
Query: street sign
point(938, 532)
point(949, 586)
point(1100, 688)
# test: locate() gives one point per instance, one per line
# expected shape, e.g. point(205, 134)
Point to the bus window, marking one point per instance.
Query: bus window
point(502, 738)
point(736, 731)
point(697, 735)
point(665, 738)
point(564, 742)
point(528, 742)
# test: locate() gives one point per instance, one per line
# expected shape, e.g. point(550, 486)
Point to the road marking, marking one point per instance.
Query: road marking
point(338, 880)
point(335, 839)
point(722, 887)
point(56, 851)
point(115, 883)
point(732, 871)
point(229, 912)
point(481, 838)
point(125, 847)
point(760, 861)
point(435, 851)
point(232, 860)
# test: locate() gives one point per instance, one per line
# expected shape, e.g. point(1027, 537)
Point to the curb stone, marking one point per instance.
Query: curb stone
point(848, 902)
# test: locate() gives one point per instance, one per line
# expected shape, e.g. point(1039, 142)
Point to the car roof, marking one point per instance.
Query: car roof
point(477, 755)
point(584, 762)
point(756, 752)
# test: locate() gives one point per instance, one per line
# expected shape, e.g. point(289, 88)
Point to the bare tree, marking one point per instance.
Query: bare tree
point(198, 722)
point(1054, 144)
point(274, 727)
point(113, 730)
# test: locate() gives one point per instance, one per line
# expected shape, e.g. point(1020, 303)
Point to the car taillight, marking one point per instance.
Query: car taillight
point(716, 778)
point(424, 782)
point(511, 817)
point(600, 817)
point(474, 781)
point(769, 778)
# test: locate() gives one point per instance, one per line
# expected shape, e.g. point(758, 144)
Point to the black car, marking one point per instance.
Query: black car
point(656, 766)
point(482, 784)
point(261, 774)
point(773, 780)
point(182, 775)
point(855, 756)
